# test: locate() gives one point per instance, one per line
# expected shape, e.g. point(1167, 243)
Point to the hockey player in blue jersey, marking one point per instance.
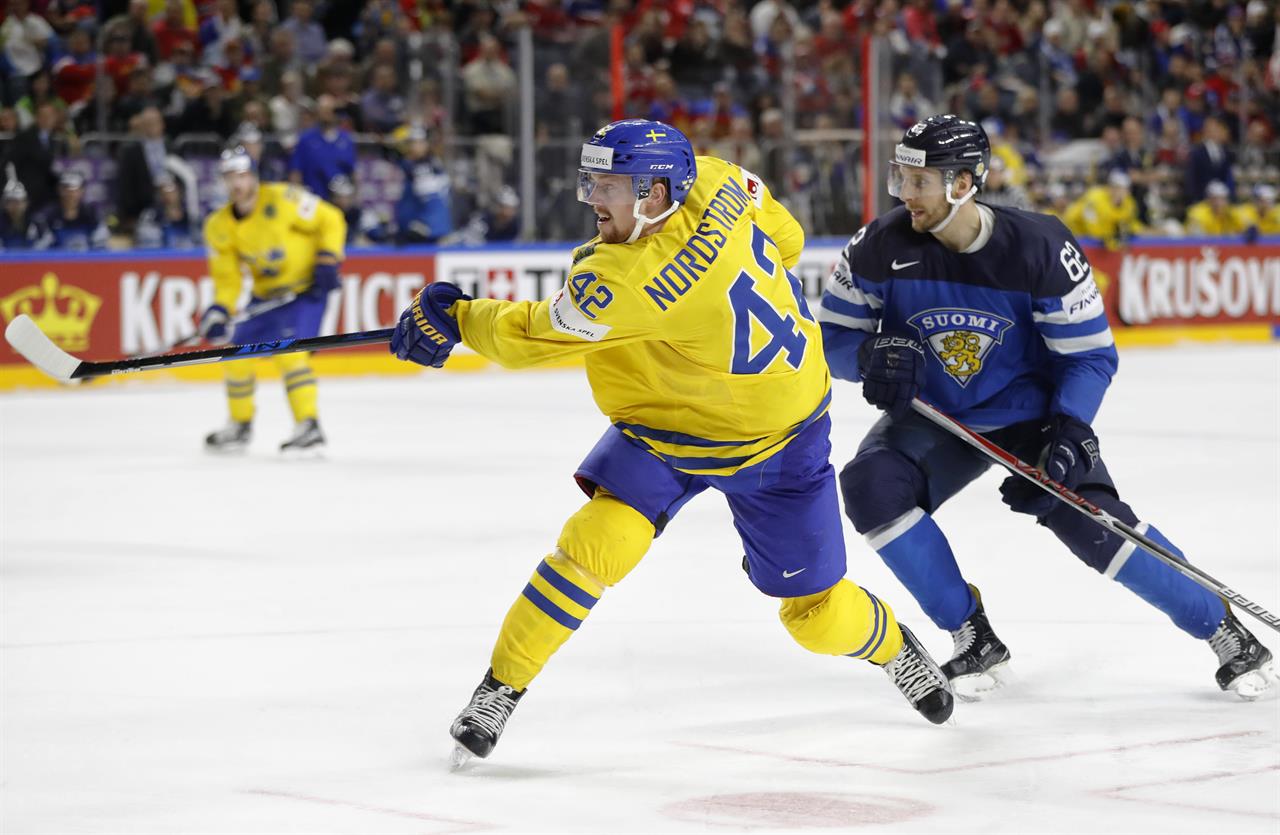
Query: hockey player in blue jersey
point(992, 315)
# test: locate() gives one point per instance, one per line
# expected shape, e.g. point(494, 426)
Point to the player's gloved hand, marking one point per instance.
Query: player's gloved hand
point(892, 369)
point(1070, 451)
point(214, 325)
point(427, 332)
point(324, 278)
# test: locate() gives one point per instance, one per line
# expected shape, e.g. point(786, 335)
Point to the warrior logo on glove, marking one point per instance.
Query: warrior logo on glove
point(420, 319)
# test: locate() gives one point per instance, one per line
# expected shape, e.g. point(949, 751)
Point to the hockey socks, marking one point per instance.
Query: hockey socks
point(1193, 608)
point(843, 620)
point(917, 552)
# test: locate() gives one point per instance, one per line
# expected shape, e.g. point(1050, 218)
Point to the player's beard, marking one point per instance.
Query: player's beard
point(929, 217)
point(610, 232)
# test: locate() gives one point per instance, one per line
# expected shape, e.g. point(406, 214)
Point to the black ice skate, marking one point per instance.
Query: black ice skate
point(915, 674)
point(1247, 669)
point(980, 659)
point(478, 726)
point(234, 437)
point(306, 438)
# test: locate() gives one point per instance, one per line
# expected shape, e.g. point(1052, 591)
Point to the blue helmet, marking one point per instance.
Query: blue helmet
point(644, 149)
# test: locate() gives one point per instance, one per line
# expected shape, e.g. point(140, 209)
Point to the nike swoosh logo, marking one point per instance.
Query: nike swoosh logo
point(895, 265)
point(787, 575)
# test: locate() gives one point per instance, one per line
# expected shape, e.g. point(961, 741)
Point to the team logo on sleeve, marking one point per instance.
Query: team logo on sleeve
point(961, 339)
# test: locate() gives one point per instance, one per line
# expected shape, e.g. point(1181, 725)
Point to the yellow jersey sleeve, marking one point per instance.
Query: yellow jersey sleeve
point(224, 265)
point(774, 220)
point(596, 309)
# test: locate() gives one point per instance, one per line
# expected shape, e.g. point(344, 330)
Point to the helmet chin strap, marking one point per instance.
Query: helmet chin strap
point(642, 221)
point(955, 205)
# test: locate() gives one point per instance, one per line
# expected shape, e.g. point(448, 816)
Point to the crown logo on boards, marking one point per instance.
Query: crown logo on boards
point(63, 311)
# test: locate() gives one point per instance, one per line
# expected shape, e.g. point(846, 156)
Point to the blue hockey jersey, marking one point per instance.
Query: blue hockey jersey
point(1013, 331)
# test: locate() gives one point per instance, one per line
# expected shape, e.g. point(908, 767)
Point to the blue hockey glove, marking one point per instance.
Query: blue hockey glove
point(892, 369)
point(324, 278)
point(213, 324)
point(427, 332)
point(1070, 451)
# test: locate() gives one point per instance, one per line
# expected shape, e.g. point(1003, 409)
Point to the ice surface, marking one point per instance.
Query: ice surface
point(198, 645)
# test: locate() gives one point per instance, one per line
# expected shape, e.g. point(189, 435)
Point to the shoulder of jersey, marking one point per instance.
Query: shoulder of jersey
point(218, 220)
point(1046, 246)
point(867, 249)
point(609, 261)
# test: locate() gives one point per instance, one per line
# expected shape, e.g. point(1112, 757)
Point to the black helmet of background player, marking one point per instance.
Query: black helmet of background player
point(950, 145)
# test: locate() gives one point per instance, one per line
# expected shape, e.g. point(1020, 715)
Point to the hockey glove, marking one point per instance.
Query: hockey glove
point(214, 325)
point(892, 369)
point(1069, 453)
point(427, 331)
point(324, 277)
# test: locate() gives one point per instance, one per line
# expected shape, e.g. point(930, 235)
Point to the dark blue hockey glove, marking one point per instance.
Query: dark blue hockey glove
point(427, 332)
point(324, 278)
point(213, 324)
point(1070, 451)
point(892, 369)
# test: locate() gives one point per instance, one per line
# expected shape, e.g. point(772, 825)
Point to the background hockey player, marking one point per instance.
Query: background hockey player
point(292, 243)
point(992, 315)
point(701, 350)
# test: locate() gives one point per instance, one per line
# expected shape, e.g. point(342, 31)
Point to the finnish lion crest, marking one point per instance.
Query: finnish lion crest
point(961, 339)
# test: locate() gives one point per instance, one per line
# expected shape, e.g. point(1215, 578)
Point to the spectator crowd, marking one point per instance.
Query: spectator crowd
point(1122, 117)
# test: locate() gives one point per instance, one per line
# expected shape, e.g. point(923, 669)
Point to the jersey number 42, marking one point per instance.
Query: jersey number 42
point(748, 305)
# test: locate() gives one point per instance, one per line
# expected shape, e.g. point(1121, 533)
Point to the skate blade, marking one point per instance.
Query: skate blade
point(975, 688)
point(228, 450)
point(460, 757)
point(311, 453)
point(1256, 684)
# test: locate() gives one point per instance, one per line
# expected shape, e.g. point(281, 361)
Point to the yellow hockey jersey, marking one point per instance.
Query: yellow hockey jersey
point(1268, 222)
point(1203, 220)
point(278, 242)
point(697, 340)
point(1095, 216)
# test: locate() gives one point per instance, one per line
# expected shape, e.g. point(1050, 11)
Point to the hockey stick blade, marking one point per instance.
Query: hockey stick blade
point(38, 349)
point(1088, 508)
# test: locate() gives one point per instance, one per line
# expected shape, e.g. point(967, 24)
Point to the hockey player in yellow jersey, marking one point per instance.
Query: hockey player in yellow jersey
point(1108, 213)
point(702, 352)
point(1214, 215)
point(1262, 216)
point(291, 242)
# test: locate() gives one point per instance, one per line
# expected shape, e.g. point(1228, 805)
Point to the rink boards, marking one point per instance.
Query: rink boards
point(107, 305)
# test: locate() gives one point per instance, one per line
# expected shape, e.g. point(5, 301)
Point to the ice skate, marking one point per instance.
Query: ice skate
point(916, 675)
point(478, 726)
point(234, 437)
point(1247, 668)
point(980, 661)
point(307, 439)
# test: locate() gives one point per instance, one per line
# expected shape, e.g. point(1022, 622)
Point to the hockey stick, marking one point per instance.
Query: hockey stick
point(27, 339)
point(1097, 514)
point(243, 316)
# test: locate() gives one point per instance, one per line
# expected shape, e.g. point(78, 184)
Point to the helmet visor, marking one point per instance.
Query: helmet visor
point(907, 182)
point(602, 189)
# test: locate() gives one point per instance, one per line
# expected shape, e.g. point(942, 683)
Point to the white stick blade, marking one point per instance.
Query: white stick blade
point(27, 339)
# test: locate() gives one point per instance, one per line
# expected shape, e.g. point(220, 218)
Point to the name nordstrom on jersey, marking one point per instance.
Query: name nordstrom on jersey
point(686, 267)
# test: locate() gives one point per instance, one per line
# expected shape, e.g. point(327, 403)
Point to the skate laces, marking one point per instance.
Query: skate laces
point(912, 674)
point(964, 638)
point(1227, 642)
point(490, 710)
